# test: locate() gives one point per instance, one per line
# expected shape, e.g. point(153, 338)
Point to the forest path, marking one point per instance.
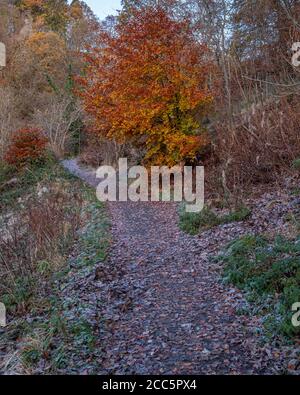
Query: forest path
point(164, 306)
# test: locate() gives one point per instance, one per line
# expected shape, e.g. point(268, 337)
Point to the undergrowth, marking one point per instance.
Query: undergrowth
point(269, 273)
point(15, 183)
point(65, 228)
point(194, 223)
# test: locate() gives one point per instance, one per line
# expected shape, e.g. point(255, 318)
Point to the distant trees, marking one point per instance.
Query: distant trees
point(152, 71)
point(60, 122)
point(83, 27)
point(7, 117)
point(44, 39)
point(51, 13)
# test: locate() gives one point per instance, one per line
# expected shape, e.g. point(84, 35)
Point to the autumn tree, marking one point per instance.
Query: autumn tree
point(40, 59)
point(148, 83)
point(82, 28)
point(50, 13)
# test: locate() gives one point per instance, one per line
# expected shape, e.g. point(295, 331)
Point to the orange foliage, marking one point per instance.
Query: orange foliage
point(48, 50)
point(27, 145)
point(51, 14)
point(147, 82)
point(33, 5)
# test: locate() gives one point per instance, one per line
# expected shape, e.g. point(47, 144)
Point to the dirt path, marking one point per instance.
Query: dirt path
point(164, 308)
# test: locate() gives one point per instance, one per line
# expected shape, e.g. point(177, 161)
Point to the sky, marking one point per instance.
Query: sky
point(103, 8)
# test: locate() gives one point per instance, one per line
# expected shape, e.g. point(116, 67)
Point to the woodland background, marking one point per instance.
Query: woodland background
point(251, 122)
point(164, 82)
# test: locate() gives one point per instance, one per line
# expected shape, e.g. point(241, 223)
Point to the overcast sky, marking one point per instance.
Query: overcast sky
point(103, 8)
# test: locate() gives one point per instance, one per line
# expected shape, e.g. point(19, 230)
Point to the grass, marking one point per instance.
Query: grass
point(296, 164)
point(269, 273)
point(194, 223)
point(38, 234)
point(94, 238)
point(36, 295)
point(26, 180)
point(61, 338)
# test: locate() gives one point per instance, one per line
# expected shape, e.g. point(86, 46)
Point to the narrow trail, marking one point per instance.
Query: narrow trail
point(166, 310)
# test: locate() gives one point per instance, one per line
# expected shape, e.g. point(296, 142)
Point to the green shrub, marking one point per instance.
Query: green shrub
point(26, 180)
point(269, 271)
point(193, 223)
point(7, 172)
point(296, 164)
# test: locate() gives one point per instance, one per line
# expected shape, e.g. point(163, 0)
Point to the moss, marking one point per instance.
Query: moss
point(194, 223)
point(267, 271)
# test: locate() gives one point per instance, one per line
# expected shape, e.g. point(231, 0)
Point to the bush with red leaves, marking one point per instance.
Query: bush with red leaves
point(27, 146)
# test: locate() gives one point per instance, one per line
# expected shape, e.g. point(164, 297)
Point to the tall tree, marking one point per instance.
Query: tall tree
point(148, 82)
point(173, 7)
point(83, 26)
